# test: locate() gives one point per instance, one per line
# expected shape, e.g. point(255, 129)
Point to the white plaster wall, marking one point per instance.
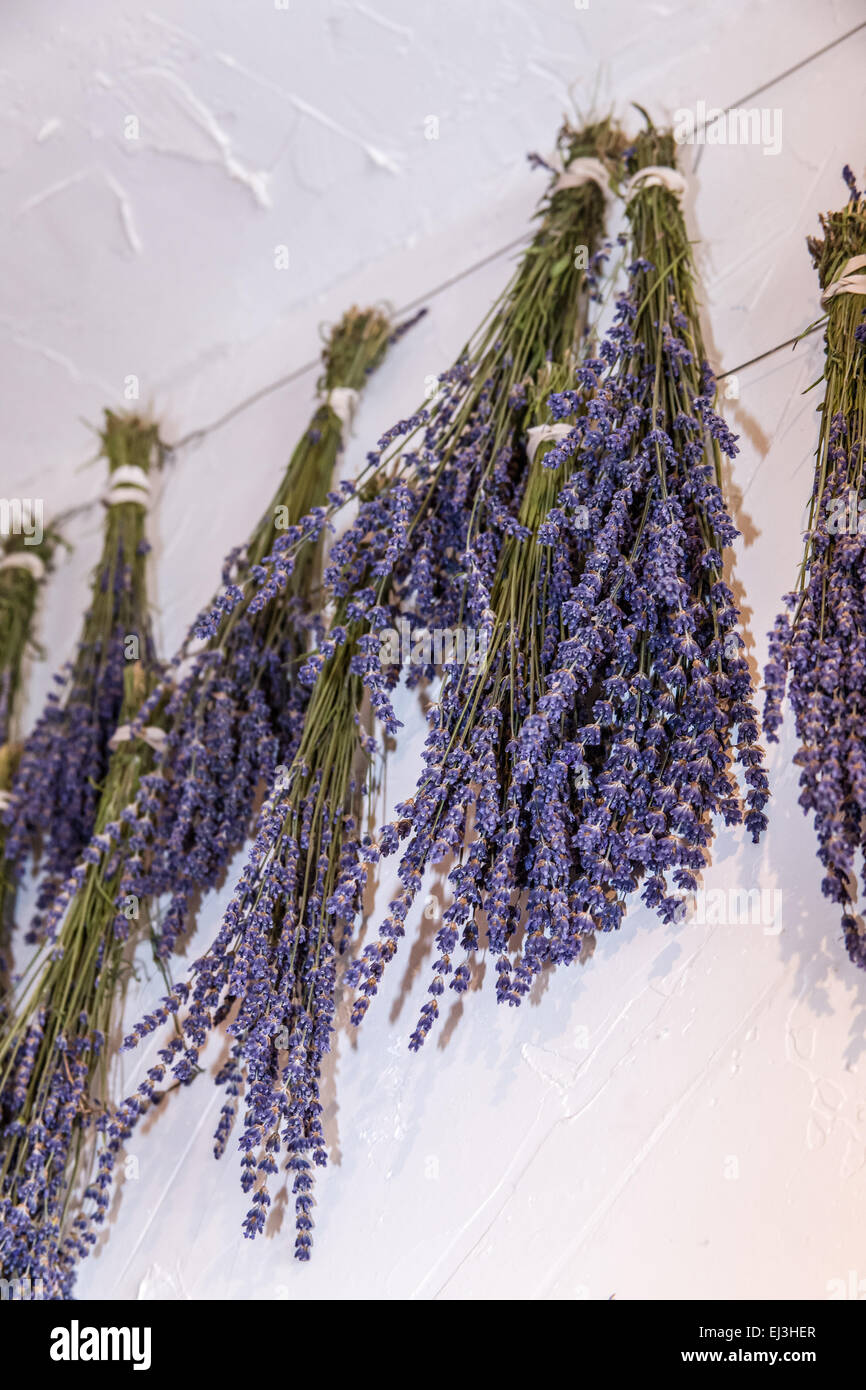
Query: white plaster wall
point(586, 1144)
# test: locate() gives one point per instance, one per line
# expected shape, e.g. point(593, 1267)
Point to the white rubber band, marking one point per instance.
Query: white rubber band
point(5, 800)
point(22, 561)
point(655, 176)
point(151, 735)
point(540, 433)
point(116, 496)
point(343, 400)
point(582, 171)
point(847, 283)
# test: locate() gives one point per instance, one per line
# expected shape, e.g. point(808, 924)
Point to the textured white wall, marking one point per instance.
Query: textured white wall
point(584, 1145)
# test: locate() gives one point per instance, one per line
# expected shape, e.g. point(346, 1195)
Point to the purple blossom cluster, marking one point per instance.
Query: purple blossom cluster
point(39, 1241)
point(54, 1040)
point(232, 717)
point(32, 1203)
point(818, 651)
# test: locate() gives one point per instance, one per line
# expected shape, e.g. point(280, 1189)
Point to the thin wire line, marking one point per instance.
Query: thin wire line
point(780, 77)
point(773, 81)
point(462, 274)
point(308, 366)
point(295, 375)
point(195, 435)
point(819, 52)
point(789, 342)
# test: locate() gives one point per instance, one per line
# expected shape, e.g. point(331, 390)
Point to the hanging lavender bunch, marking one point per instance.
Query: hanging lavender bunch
point(818, 644)
point(54, 1046)
point(272, 967)
point(235, 712)
point(54, 1057)
point(22, 568)
point(594, 750)
point(64, 760)
point(475, 770)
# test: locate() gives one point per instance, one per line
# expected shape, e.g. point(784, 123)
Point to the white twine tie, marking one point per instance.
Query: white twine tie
point(848, 282)
point(343, 400)
point(583, 171)
point(22, 561)
point(5, 800)
point(129, 483)
point(151, 735)
point(656, 176)
point(540, 433)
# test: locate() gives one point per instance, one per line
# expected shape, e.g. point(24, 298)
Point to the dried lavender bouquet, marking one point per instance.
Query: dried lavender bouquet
point(65, 758)
point(54, 1039)
point(818, 644)
point(22, 567)
point(272, 967)
point(55, 1052)
point(235, 711)
point(595, 751)
point(478, 792)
